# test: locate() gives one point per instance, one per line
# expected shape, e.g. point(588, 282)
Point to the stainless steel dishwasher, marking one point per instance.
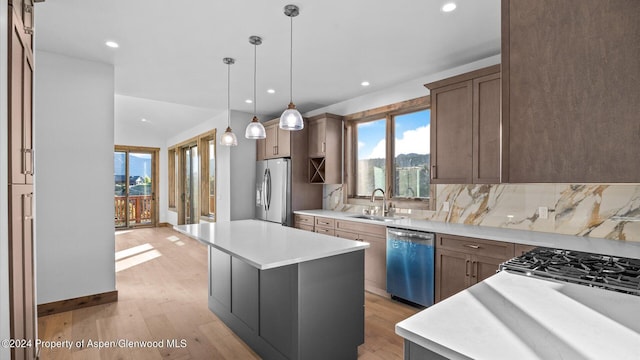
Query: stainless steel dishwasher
point(410, 265)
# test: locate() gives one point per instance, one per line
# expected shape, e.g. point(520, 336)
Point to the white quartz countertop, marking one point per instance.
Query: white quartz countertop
point(267, 245)
point(536, 238)
point(512, 316)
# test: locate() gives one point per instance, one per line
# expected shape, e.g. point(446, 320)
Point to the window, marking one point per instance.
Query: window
point(372, 153)
point(411, 155)
point(388, 148)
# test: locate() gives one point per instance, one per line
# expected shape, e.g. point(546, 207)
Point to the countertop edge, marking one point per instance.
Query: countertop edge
point(621, 248)
point(361, 246)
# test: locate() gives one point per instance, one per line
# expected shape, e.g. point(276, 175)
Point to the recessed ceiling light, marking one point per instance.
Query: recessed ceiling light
point(449, 7)
point(365, 83)
point(143, 120)
point(249, 101)
point(112, 44)
point(271, 91)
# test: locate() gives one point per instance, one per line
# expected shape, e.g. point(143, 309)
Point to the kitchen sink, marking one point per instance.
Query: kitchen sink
point(376, 218)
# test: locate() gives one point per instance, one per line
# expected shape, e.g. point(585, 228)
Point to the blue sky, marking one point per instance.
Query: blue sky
point(412, 135)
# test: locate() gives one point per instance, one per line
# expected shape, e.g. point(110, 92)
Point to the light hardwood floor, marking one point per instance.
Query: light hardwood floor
point(162, 288)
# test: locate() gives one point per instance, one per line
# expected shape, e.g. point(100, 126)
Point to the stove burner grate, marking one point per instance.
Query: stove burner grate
point(608, 272)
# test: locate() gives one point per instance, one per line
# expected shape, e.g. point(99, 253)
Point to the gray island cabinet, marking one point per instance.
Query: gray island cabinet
point(288, 293)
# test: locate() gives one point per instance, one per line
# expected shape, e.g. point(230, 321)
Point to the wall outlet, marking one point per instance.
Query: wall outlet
point(445, 206)
point(543, 212)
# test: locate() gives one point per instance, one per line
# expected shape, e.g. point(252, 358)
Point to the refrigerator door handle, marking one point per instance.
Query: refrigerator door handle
point(263, 193)
point(268, 179)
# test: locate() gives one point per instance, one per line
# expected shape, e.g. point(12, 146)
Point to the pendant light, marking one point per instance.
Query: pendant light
point(228, 138)
point(255, 130)
point(291, 119)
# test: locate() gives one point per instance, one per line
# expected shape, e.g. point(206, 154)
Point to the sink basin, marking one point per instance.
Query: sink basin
point(375, 218)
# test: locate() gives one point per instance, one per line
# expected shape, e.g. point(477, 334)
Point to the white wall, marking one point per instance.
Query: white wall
point(235, 168)
point(74, 138)
point(4, 193)
point(401, 92)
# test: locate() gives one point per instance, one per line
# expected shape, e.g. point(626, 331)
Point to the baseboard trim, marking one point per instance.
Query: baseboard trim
point(77, 303)
point(164, 224)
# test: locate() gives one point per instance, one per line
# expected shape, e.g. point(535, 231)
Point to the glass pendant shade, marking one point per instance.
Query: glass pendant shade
point(291, 119)
point(255, 130)
point(228, 138)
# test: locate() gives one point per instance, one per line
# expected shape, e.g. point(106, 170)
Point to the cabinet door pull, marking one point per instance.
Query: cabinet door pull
point(324, 147)
point(433, 172)
point(275, 150)
point(466, 267)
point(27, 165)
point(475, 270)
point(27, 204)
point(473, 246)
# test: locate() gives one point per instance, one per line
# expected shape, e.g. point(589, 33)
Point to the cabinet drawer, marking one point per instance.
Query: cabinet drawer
point(361, 228)
point(303, 220)
point(346, 235)
point(495, 249)
point(326, 231)
point(325, 222)
point(304, 227)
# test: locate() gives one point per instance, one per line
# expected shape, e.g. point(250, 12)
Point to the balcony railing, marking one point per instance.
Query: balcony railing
point(139, 209)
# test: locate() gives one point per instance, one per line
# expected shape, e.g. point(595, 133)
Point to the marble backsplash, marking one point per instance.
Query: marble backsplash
point(609, 211)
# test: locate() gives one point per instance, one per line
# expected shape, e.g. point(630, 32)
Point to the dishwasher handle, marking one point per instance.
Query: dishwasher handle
point(399, 234)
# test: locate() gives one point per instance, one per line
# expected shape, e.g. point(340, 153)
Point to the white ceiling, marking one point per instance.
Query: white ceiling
point(171, 51)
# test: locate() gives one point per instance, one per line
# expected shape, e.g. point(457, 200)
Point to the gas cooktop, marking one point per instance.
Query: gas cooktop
point(602, 271)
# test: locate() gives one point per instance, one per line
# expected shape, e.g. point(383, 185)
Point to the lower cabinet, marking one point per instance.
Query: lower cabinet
point(309, 310)
point(245, 286)
point(375, 257)
point(463, 261)
point(220, 277)
point(413, 351)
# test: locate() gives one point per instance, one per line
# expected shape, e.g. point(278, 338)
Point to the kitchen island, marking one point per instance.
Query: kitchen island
point(511, 316)
point(288, 293)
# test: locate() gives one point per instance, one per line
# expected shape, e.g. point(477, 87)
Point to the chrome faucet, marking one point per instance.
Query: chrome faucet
point(384, 200)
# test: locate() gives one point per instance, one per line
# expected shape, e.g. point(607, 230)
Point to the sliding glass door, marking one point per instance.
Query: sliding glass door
point(134, 194)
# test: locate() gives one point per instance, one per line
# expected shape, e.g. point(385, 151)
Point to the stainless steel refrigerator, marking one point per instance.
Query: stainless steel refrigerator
point(273, 191)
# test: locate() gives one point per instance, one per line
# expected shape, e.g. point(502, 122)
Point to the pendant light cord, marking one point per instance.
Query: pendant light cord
point(229, 95)
point(255, 67)
point(291, 63)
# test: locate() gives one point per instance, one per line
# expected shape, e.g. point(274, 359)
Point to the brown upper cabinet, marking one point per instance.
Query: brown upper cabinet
point(276, 145)
point(325, 149)
point(570, 94)
point(465, 128)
